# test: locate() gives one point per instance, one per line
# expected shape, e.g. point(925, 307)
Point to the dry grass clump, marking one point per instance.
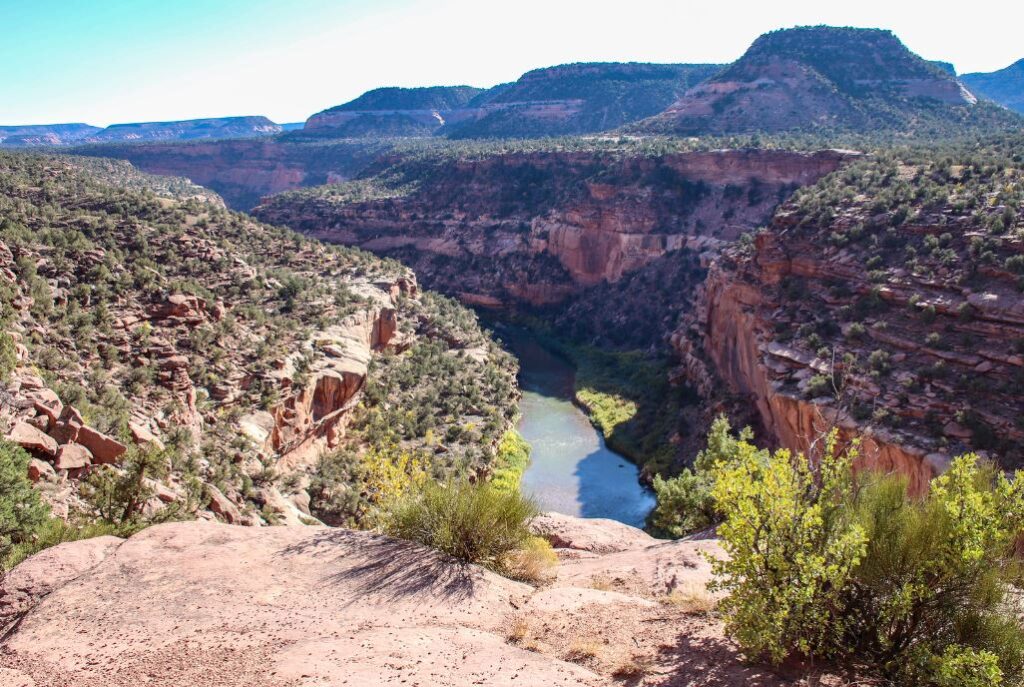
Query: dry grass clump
point(691, 598)
point(534, 562)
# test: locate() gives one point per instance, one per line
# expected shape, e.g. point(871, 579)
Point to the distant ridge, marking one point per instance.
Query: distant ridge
point(1005, 86)
point(585, 97)
point(821, 78)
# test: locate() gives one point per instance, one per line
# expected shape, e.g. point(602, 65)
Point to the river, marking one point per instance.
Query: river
point(571, 470)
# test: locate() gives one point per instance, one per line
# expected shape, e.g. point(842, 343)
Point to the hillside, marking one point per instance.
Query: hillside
point(1005, 86)
point(580, 98)
point(395, 112)
point(887, 299)
point(137, 311)
point(828, 79)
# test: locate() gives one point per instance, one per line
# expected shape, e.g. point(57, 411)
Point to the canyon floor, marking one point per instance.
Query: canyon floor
point(203, 603)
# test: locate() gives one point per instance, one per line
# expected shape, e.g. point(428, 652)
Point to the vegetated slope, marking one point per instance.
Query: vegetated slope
point(282, 606)
point(394, 111)
point(889, 292)
point(1005, 86)
point(579, 98)
point(536, 227)
point(44, 134)
point(828, 78)
point(138, 311)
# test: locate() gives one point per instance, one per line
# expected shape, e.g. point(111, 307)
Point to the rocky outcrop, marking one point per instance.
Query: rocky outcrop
point(189, 603)
point(538, 227)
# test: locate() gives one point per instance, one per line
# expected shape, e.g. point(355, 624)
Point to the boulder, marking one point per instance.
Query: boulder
point(46, 403)
point(67, 426)
point(32, 439)
point(104, 449)
point(40, 470)
point(143, 437)
point(72, 457)
point(222, 506)
point(596, 535)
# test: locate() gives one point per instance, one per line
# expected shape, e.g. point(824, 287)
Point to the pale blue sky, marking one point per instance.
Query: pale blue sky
point(109, 61)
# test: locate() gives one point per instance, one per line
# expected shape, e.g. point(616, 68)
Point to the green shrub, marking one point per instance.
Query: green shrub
point(916, 591)
point(791, 550)
point(930, 596)
point(22, 512)
point(476, 523)
point(512, 460)
point(685, 504)
point(8, 359)
point(53, 532)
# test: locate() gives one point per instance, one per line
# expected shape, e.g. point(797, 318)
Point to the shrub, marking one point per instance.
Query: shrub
point(118, 495)
point(22, 512)
point(685, 503)
point(8, 359)
point(512, 460)
point(791, 550)
point(475, 523)
point(55, 531)
point(914, 591)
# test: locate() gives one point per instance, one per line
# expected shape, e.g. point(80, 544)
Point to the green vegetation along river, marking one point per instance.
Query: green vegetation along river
point(571, 470)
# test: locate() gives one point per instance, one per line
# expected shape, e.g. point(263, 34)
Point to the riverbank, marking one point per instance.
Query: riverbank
point(572, 469)
point(626, 395)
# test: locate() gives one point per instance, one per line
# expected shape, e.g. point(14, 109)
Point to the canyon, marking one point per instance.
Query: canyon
point(548, 225)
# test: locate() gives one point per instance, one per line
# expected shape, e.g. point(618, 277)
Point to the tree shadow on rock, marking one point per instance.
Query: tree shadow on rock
point(390, 568)
point(716, 662)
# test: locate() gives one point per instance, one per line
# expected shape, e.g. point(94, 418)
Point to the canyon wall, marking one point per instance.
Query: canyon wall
point(537, 227)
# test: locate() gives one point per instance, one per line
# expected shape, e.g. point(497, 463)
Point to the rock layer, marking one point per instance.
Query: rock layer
point(537, 227)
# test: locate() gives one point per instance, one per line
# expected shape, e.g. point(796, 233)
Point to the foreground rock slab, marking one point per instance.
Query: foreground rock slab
point(202, 603)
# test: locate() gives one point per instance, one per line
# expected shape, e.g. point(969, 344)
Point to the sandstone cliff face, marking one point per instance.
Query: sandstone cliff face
point(545, 225)
point(732, 329)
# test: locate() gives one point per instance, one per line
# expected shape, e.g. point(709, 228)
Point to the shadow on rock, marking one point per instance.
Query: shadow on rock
point(391, 568)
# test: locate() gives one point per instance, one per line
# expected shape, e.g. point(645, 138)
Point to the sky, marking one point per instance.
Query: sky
point(114, 61)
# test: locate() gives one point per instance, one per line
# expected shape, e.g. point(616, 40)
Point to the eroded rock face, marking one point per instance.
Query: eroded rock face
point(538, 227)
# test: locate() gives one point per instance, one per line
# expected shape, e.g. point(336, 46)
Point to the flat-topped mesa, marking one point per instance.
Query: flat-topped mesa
point(396, 111)
point(578, 98)
point(537, 227)
point(823, 78)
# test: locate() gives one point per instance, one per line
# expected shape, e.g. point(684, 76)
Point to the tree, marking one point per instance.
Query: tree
point(685, 502)
point(22, 512)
